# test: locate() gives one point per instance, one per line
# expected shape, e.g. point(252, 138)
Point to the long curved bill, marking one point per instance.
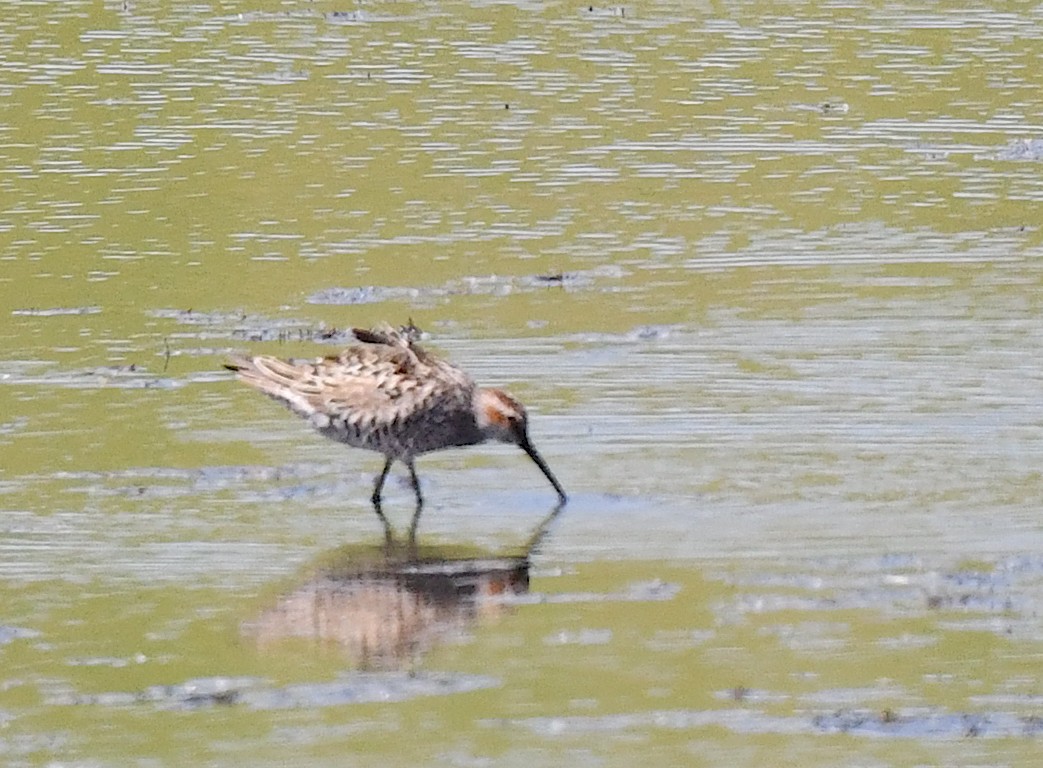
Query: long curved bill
point(527, 447)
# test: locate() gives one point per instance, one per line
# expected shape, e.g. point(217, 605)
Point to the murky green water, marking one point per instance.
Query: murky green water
point(768, 278)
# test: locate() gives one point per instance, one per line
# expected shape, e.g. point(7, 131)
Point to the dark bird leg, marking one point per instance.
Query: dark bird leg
point(380, 485)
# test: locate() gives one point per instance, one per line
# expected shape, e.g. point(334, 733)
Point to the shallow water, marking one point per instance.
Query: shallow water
point(767, 279)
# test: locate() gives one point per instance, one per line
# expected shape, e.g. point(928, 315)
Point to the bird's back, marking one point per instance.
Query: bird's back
point(387, 394)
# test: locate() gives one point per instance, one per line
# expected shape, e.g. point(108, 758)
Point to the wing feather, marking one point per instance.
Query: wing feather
point(368, 387)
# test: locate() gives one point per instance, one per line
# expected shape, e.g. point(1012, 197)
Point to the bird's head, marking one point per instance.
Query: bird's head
point(502, 418)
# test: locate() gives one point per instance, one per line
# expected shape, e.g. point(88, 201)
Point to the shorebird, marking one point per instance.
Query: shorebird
point(390, 396)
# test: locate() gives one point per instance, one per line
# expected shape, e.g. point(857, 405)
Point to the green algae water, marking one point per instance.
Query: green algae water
point(766, 277)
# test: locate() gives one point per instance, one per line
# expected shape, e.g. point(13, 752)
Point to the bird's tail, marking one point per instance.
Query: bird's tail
point(279, 379)
point(238, 363)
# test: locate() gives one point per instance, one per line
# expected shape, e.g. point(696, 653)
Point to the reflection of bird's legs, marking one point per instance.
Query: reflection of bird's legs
point(389, 535)
point(412, 533)
point(380, 485)
point(419, 505)
point(416, 484)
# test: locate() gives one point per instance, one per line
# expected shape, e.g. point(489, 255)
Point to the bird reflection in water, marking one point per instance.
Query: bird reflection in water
point(384, 606)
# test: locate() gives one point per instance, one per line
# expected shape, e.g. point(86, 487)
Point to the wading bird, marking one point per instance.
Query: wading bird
point(390, 396)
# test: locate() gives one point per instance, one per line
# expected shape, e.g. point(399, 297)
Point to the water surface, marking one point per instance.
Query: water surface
point(766, 277)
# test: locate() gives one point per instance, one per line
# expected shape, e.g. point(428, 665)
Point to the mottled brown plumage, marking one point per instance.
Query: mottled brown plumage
point(388, 395)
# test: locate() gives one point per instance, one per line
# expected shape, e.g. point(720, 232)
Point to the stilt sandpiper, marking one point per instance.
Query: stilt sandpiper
point(390, 396)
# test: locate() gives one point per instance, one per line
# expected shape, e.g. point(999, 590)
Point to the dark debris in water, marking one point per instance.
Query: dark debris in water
point(238, 325)
point(244, 327)
point(925, 724)
point(640, 333)
point(832, 107)
point(321, 334)
point(192, 317)
point(346, 17)
point(297, 481)
point(131, 376)
point(495, 285)
point(1005, 592)
point(366, 294)
point(255, 693)
point(651, 332)
point(1021, 150)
